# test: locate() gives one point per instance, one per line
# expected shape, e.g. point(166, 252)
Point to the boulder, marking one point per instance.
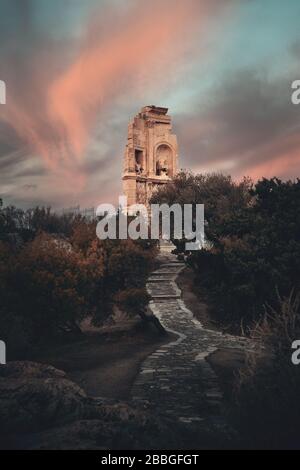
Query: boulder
point(36, 396)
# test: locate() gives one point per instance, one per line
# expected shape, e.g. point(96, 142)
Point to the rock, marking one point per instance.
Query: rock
point(35, 396)
point(41, 409)
point(122, 428)
point(17, 369)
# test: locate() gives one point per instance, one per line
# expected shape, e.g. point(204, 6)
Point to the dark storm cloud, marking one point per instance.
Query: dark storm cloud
point(10, 160)
point(30, 172)
point(29, 187)
point(24, 50)
point(248, 120)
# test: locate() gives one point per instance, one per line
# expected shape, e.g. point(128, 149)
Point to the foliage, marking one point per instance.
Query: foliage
point(133, 300)
point(26, 224)
point(44, 288)
point(250, 270)
point(60, 273)
point(254, 241)
point(221, 196)
point(266, 398)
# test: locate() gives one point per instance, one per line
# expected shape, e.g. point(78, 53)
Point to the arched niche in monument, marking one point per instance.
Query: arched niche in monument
point(139, 161)
point(164, 160)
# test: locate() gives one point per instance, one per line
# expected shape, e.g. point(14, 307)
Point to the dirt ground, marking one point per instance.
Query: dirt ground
point(200, 309)
point(105, 362)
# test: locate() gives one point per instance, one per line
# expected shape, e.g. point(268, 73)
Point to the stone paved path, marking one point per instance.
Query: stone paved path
point(176, 380)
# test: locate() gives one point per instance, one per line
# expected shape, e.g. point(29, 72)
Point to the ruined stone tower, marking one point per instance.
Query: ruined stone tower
point(151, 154)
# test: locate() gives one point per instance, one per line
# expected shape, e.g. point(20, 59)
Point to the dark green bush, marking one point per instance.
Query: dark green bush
point(51, 281)
point(253, 241)
point(266, 400)
point(133, 301)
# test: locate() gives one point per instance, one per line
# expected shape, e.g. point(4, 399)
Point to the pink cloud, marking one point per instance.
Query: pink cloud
point(56, 117)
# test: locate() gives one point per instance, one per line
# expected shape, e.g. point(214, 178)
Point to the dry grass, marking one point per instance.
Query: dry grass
point(267, 390)
point(281, 326)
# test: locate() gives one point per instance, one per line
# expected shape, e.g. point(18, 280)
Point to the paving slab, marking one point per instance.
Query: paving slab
point(176, 380)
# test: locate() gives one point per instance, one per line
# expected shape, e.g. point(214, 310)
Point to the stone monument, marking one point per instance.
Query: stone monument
point(151, 154)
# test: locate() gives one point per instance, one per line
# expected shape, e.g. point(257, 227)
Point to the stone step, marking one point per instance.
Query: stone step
point(163, 290)
point(165, 296)
point(176, 379)
point(175, 263)
point(167, 271)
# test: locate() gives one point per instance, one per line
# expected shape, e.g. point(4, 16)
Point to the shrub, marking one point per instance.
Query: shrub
point(253, 235)
point(49, 284)
point(266, 406)
point(43, 290)
point(133, 301)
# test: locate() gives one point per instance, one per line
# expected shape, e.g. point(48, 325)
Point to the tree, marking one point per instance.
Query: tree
point(221, 196)
point(54, 279)
point(254, 235)
point(46, 287)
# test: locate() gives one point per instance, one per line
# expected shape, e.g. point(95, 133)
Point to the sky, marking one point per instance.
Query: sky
point(77, 71)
